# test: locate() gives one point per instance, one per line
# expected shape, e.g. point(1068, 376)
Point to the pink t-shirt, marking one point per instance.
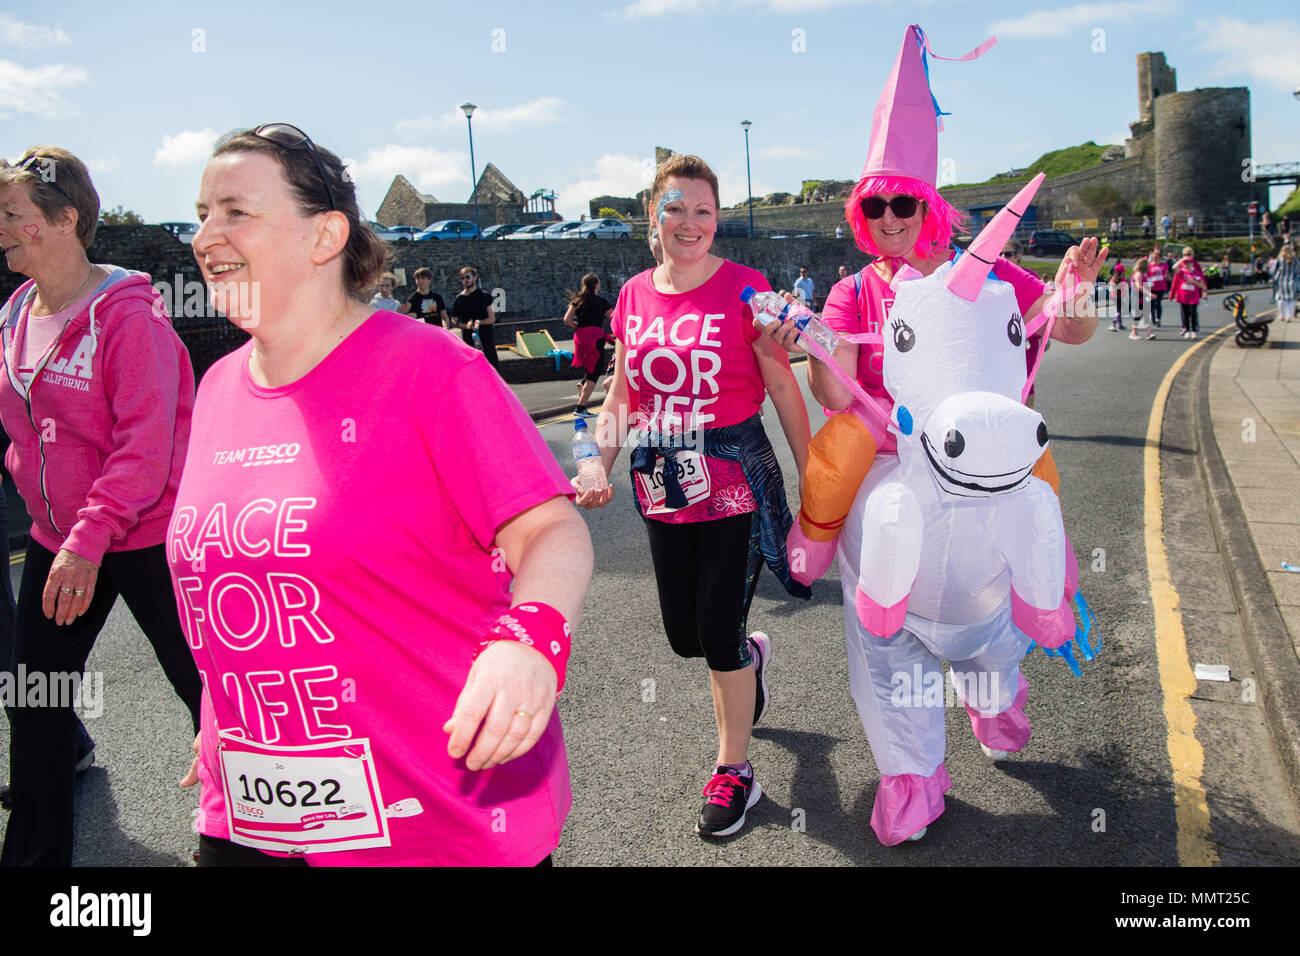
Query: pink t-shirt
point(1185, 291)
point(332, 553)
point(869, 311)
point(691, 364)
point(1159, 276)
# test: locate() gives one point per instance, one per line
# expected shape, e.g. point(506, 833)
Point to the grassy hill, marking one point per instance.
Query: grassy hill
point(1056, 163)
point(1291, 206)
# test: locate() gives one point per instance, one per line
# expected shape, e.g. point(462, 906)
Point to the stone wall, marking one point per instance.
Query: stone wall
point(1202, 138)
point(818, 217)
point(534, 277)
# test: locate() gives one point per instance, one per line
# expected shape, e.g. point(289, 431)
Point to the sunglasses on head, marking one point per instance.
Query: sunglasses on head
point(904, 207)
point(31, 161)
point(291, 137)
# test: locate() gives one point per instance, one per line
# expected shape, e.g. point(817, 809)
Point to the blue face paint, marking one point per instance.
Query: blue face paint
point(672, 195)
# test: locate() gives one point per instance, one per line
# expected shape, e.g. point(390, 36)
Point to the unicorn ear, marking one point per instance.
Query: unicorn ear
point(905, 274)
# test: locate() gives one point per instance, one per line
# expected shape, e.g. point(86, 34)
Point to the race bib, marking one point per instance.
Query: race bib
point(692, 475)
point(314, 799)
point(1188, 287)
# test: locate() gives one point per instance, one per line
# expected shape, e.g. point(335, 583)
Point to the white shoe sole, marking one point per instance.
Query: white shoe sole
point(765, 649)
point(755, 792)
point(917, 835)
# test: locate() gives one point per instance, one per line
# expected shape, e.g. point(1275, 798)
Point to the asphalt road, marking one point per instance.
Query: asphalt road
point(639, 722)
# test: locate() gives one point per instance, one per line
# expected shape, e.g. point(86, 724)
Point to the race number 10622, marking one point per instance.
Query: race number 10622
point(308, 793)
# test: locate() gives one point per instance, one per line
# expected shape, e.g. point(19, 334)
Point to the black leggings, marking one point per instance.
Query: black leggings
point(1190, 321)
point(1157, 309)
point(43, 739)
point(214, 851)
point(700, 569)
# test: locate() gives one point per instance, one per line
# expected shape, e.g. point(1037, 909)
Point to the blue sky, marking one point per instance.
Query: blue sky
point(574, 96)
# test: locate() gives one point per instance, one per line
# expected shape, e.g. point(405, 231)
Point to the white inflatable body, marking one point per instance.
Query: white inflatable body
point(952, 550)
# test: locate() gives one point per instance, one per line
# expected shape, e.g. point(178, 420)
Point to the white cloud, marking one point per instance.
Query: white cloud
point(1062, 20)
point(1263, 51)
point(103, 164)
point(17, 33)
point(646, 9)
point(35, 89)
point(785, 152)
point(614, 174)
point(539, 112)
point(660, 8)
point(441, 173)
point(187, 146)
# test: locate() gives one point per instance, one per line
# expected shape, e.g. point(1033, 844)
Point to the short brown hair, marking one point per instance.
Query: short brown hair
point(423, 273)
point(685, 167)
point(59, 181)
point(365, 255)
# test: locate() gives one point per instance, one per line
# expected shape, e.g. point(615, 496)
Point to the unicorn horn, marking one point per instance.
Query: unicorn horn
point(968, 275)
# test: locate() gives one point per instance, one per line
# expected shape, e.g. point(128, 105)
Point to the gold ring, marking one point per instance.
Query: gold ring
point(525, 713)
point(65, 590)
point(79, 592)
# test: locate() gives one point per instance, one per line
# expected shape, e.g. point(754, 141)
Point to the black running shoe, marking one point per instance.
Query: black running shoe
point(6, 800)
point(728, 796)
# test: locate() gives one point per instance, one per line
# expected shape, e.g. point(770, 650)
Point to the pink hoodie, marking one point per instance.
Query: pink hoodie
point(99, 439)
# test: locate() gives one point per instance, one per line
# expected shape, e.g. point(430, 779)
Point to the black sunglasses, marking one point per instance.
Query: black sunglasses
point(873, 207)
point(287, 136)
point(52, 181)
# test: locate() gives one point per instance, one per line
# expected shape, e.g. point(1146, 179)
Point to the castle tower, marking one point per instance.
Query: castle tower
point(1202, 141)
point(1155, 78)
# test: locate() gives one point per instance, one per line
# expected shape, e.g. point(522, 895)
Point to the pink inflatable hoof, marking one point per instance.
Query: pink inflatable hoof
point(880, 620)
point(809, 560)
point(1050, 628)
point(1005, 733)
point(908, 803)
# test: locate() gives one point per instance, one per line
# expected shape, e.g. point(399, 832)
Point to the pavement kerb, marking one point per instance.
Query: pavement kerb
point(1266, 636)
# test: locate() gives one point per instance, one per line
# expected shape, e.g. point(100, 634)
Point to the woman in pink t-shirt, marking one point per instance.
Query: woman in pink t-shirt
point(691, 371)
point(343, 549)
point(1188, 283)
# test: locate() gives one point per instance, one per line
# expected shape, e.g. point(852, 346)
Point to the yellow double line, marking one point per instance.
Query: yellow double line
point(1177, 681)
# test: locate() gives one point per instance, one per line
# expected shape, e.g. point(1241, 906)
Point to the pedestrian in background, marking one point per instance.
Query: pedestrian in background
point(803, 287)
point(1140, 299)
point(587, 315)
point(1283, 270)
point(1166, 224)
point(1188, 283)
point(383, 299)
point(471, 312)
point(422, 304)
point(1158, 270)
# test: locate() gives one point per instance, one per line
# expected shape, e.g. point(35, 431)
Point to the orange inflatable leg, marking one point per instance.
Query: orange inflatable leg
point(1046, 470)
point(839, 457)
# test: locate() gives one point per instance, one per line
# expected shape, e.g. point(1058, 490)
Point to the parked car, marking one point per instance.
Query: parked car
point(502, 230)
point(449, 229)
point(1044, 242)
point(405, 233)
point(387, 234)
point(531, 231)
point(601, 229)
point(184, 231)
point(557, 230)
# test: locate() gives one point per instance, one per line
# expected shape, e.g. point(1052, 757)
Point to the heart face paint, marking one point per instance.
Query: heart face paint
point(32, 229)
point(672, 195)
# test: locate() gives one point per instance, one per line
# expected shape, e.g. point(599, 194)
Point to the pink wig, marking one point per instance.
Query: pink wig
point(941, 219)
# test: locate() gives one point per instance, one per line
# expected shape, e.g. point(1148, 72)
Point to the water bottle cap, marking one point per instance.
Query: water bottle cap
point(746, 294)
point(579, 424)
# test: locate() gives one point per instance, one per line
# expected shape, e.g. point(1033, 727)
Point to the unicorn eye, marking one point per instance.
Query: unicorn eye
point(1015, 331)
point(904, 337)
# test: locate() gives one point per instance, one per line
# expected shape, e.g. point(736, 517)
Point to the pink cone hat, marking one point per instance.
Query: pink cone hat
point(904, 132)
point(968, 275)
point(905, 127)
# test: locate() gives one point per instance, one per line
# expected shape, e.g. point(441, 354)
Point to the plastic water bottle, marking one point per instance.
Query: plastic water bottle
point(591, 470)
point(770, 307)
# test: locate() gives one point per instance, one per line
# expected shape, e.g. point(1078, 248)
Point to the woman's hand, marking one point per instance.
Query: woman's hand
point(70, 587)
point(591, 498)
point(1087, 262)
point(507, 701)
point(191, 778)
point(784, 334)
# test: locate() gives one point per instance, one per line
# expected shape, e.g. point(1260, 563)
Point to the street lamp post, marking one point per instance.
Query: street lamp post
point(749, 186)
point(469, 109)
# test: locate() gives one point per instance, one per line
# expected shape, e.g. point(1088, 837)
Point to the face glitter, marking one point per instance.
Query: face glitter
point(672, 195)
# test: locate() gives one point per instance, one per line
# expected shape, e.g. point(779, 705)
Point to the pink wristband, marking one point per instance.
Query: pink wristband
point(542, 628)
